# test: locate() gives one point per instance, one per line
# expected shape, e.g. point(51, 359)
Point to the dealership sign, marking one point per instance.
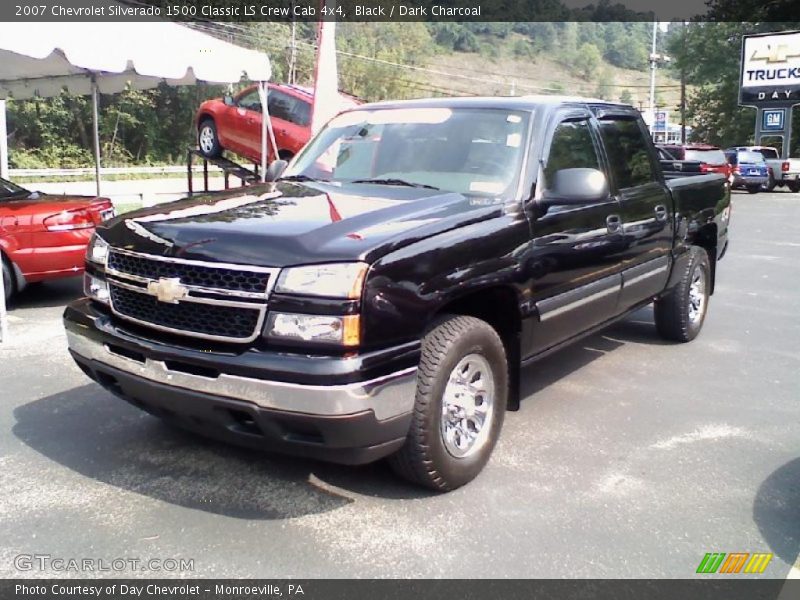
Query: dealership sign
point(770, 69)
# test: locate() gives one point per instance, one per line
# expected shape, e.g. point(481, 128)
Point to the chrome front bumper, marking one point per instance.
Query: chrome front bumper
point(387, 397)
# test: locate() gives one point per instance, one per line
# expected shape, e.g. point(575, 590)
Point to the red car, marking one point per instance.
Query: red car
point(712, 159)
point(44, 237)
point(234, 122)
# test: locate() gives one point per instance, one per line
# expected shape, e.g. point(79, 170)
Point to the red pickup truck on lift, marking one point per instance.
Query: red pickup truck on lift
point(44, 236)
point(234, 122)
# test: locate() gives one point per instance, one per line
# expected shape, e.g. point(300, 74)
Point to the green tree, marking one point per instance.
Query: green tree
point(587, 60)
point(625, 97)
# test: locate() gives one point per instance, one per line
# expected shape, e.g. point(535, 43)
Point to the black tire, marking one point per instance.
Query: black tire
point(771, 183)
point(425, 458)
point(9, 285)
point(210, 146)
point(673, 314)
point(753, 189)
point(794, 186)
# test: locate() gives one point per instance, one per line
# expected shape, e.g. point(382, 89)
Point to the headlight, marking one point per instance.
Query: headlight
point(94, 288)
point(314, 328)
point(343, 280)
point(97, 250)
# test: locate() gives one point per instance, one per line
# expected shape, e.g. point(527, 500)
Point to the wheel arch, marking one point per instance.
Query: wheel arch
point(706, 238)
point(499, 307)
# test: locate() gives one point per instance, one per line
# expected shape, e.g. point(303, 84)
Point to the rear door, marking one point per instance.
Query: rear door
point(646, 205)
point(575, 261)
point(290, 120)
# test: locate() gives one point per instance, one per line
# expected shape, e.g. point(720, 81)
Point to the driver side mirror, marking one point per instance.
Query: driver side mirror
point(576, 186)
point(227, 99)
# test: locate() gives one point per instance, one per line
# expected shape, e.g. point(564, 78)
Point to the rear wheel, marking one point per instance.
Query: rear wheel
point(753, 189)
point(794, 186)
point(680, 314)
point(207, 139)
point(462, 390)
point(771, 183)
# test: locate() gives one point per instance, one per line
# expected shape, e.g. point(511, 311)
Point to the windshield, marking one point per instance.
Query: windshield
point(750, 157)
point(10, 190)
point(711, 157)
point(466, 150)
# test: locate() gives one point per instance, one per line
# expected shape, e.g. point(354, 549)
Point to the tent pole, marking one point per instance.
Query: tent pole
point(267, 133)
point(3, 141)
point(96, 130)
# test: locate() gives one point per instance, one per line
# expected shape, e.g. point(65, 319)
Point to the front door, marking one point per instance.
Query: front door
point(575, 252)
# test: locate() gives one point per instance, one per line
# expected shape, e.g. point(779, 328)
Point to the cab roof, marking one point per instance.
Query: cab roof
point(502, 102)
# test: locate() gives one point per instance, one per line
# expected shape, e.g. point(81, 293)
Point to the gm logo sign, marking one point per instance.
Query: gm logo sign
point(773, 119)
point(735, 562)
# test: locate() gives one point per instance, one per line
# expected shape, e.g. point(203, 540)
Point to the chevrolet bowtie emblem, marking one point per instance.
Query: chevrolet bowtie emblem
point(775, 54)
point(167, 290)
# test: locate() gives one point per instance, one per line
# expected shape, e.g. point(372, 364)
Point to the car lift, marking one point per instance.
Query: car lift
point(227, 166)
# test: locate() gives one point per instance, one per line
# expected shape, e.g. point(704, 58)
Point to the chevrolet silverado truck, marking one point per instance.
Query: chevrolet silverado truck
point(379, 297)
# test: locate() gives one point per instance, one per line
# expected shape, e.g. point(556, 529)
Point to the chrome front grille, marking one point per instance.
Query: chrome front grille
point(216, 301)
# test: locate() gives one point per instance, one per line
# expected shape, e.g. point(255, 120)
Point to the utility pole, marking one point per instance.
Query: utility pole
point(292, 76)
point(683, 83)
point(653, 63)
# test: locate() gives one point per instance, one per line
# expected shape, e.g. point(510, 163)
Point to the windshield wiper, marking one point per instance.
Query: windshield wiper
point(393, 181)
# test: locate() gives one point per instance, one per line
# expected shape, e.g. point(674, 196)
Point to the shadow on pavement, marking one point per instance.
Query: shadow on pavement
point(97, 435)
point(636, 328)
point(59, 292)
point(776, 511)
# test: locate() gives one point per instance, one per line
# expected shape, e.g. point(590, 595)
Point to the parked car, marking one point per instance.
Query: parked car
point(750, 170)
point(711, 158)
point(44, 236)
point(379, 299)
point(781, 172)
point(234, 122)
point(672, 167)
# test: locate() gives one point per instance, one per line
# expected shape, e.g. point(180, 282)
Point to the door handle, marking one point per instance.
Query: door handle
point(613, 223)
point(661, 212)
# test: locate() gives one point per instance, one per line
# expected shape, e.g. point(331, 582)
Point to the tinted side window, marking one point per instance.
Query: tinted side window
point(250, 101)
point(572, 147)
point(301, 114)
point(628, 152)
point(280, 105)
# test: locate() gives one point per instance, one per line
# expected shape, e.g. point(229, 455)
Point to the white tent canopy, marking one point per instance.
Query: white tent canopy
point(41, 59)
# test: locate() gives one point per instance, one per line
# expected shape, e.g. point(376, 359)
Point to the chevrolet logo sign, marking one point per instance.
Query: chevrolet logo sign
point(778, 54)
point(167, 290)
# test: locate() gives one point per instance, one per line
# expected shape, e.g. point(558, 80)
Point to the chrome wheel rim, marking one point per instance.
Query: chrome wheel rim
point(697, 295)
point(468, 406)
point(206, 139)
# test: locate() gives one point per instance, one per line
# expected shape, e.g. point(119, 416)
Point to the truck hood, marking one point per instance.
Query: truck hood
point(295, 223)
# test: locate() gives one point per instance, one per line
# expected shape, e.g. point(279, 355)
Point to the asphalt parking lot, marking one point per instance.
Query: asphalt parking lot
point(630, 457)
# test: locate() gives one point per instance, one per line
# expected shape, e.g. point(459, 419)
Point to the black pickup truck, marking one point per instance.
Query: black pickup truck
point(378, 299)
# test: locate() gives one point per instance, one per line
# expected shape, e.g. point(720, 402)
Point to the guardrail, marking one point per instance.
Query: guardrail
point(89, 171)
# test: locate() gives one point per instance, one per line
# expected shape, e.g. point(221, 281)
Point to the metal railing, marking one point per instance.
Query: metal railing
point(104, 171)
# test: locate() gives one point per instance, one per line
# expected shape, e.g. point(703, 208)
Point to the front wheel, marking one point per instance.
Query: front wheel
point(462, 390)
point(8, 279)
point(208, 140)
point(680, 313)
